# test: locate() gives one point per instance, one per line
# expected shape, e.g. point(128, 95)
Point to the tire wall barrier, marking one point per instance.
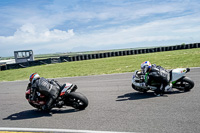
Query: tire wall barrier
point(97, 56)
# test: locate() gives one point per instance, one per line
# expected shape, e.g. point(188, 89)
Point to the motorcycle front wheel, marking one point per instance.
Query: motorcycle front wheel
point(184, 84)
point(76, 100)
point(138, 89)
point(35, 106)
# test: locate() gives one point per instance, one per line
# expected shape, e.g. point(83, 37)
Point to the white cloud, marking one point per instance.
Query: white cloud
point(60, 27)
point(158, 31)
point(31, 34)
point(35, 37)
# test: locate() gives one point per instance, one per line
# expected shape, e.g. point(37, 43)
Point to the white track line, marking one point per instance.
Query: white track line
point(55, 130)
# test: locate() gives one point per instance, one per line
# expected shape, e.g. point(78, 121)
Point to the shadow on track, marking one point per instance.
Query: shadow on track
point(139, 95)
point(30, 114)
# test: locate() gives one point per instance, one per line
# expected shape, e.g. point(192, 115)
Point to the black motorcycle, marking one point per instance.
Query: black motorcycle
point(67, 96)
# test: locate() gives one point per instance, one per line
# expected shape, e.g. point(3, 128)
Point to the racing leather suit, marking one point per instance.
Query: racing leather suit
point(48, 88)
point(159, 77)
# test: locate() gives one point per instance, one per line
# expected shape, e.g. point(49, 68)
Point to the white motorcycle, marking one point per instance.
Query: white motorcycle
point(177, 77)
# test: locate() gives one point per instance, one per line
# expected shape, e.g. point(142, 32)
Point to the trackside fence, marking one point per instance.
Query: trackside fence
point(97, 56)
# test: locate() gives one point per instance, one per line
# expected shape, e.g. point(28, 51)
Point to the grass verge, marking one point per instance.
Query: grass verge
point(120, 64)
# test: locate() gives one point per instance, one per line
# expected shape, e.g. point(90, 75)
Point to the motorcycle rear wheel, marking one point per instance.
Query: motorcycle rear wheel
point(184, 84)
point(76, 100)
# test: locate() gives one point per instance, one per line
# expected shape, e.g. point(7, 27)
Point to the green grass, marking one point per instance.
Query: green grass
point(120, 64)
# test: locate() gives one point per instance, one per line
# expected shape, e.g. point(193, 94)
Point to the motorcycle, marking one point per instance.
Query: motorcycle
point(177, 78)
point(67, 96)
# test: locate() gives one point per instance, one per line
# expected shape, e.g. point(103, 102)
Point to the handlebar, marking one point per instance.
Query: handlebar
point(188, 70)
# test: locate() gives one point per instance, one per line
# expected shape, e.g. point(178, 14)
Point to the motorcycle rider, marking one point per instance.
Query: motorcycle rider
point(50, 89)
point(156, 74)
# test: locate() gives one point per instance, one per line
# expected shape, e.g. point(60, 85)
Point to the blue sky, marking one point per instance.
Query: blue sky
point(51, 26)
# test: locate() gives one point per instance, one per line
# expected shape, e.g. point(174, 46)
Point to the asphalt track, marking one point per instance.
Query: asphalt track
point(113, 106)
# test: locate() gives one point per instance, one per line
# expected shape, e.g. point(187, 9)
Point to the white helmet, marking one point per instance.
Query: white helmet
point(33, 77)
point(146, 66)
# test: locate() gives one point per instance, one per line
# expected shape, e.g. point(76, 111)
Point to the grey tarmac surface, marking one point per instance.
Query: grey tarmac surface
point(113, 106)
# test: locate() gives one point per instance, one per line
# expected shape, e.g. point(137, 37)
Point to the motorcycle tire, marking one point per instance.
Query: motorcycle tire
point(35, 106)
point(185, 84)
point(140, 90)
point(76, 100)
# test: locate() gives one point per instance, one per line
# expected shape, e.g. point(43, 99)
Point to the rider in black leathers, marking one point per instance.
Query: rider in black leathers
point(48, 88)
point(156, 74)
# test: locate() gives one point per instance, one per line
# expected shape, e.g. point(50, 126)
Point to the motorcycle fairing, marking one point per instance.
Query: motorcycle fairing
point(178, 73)
point(67, 87)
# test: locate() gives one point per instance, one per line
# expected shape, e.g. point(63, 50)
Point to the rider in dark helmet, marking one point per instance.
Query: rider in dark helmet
point(156, 74)
point(48, 88)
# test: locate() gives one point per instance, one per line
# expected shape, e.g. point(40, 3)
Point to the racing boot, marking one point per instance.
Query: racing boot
point(158, 94)
point(59, 104)
point(159, 91)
